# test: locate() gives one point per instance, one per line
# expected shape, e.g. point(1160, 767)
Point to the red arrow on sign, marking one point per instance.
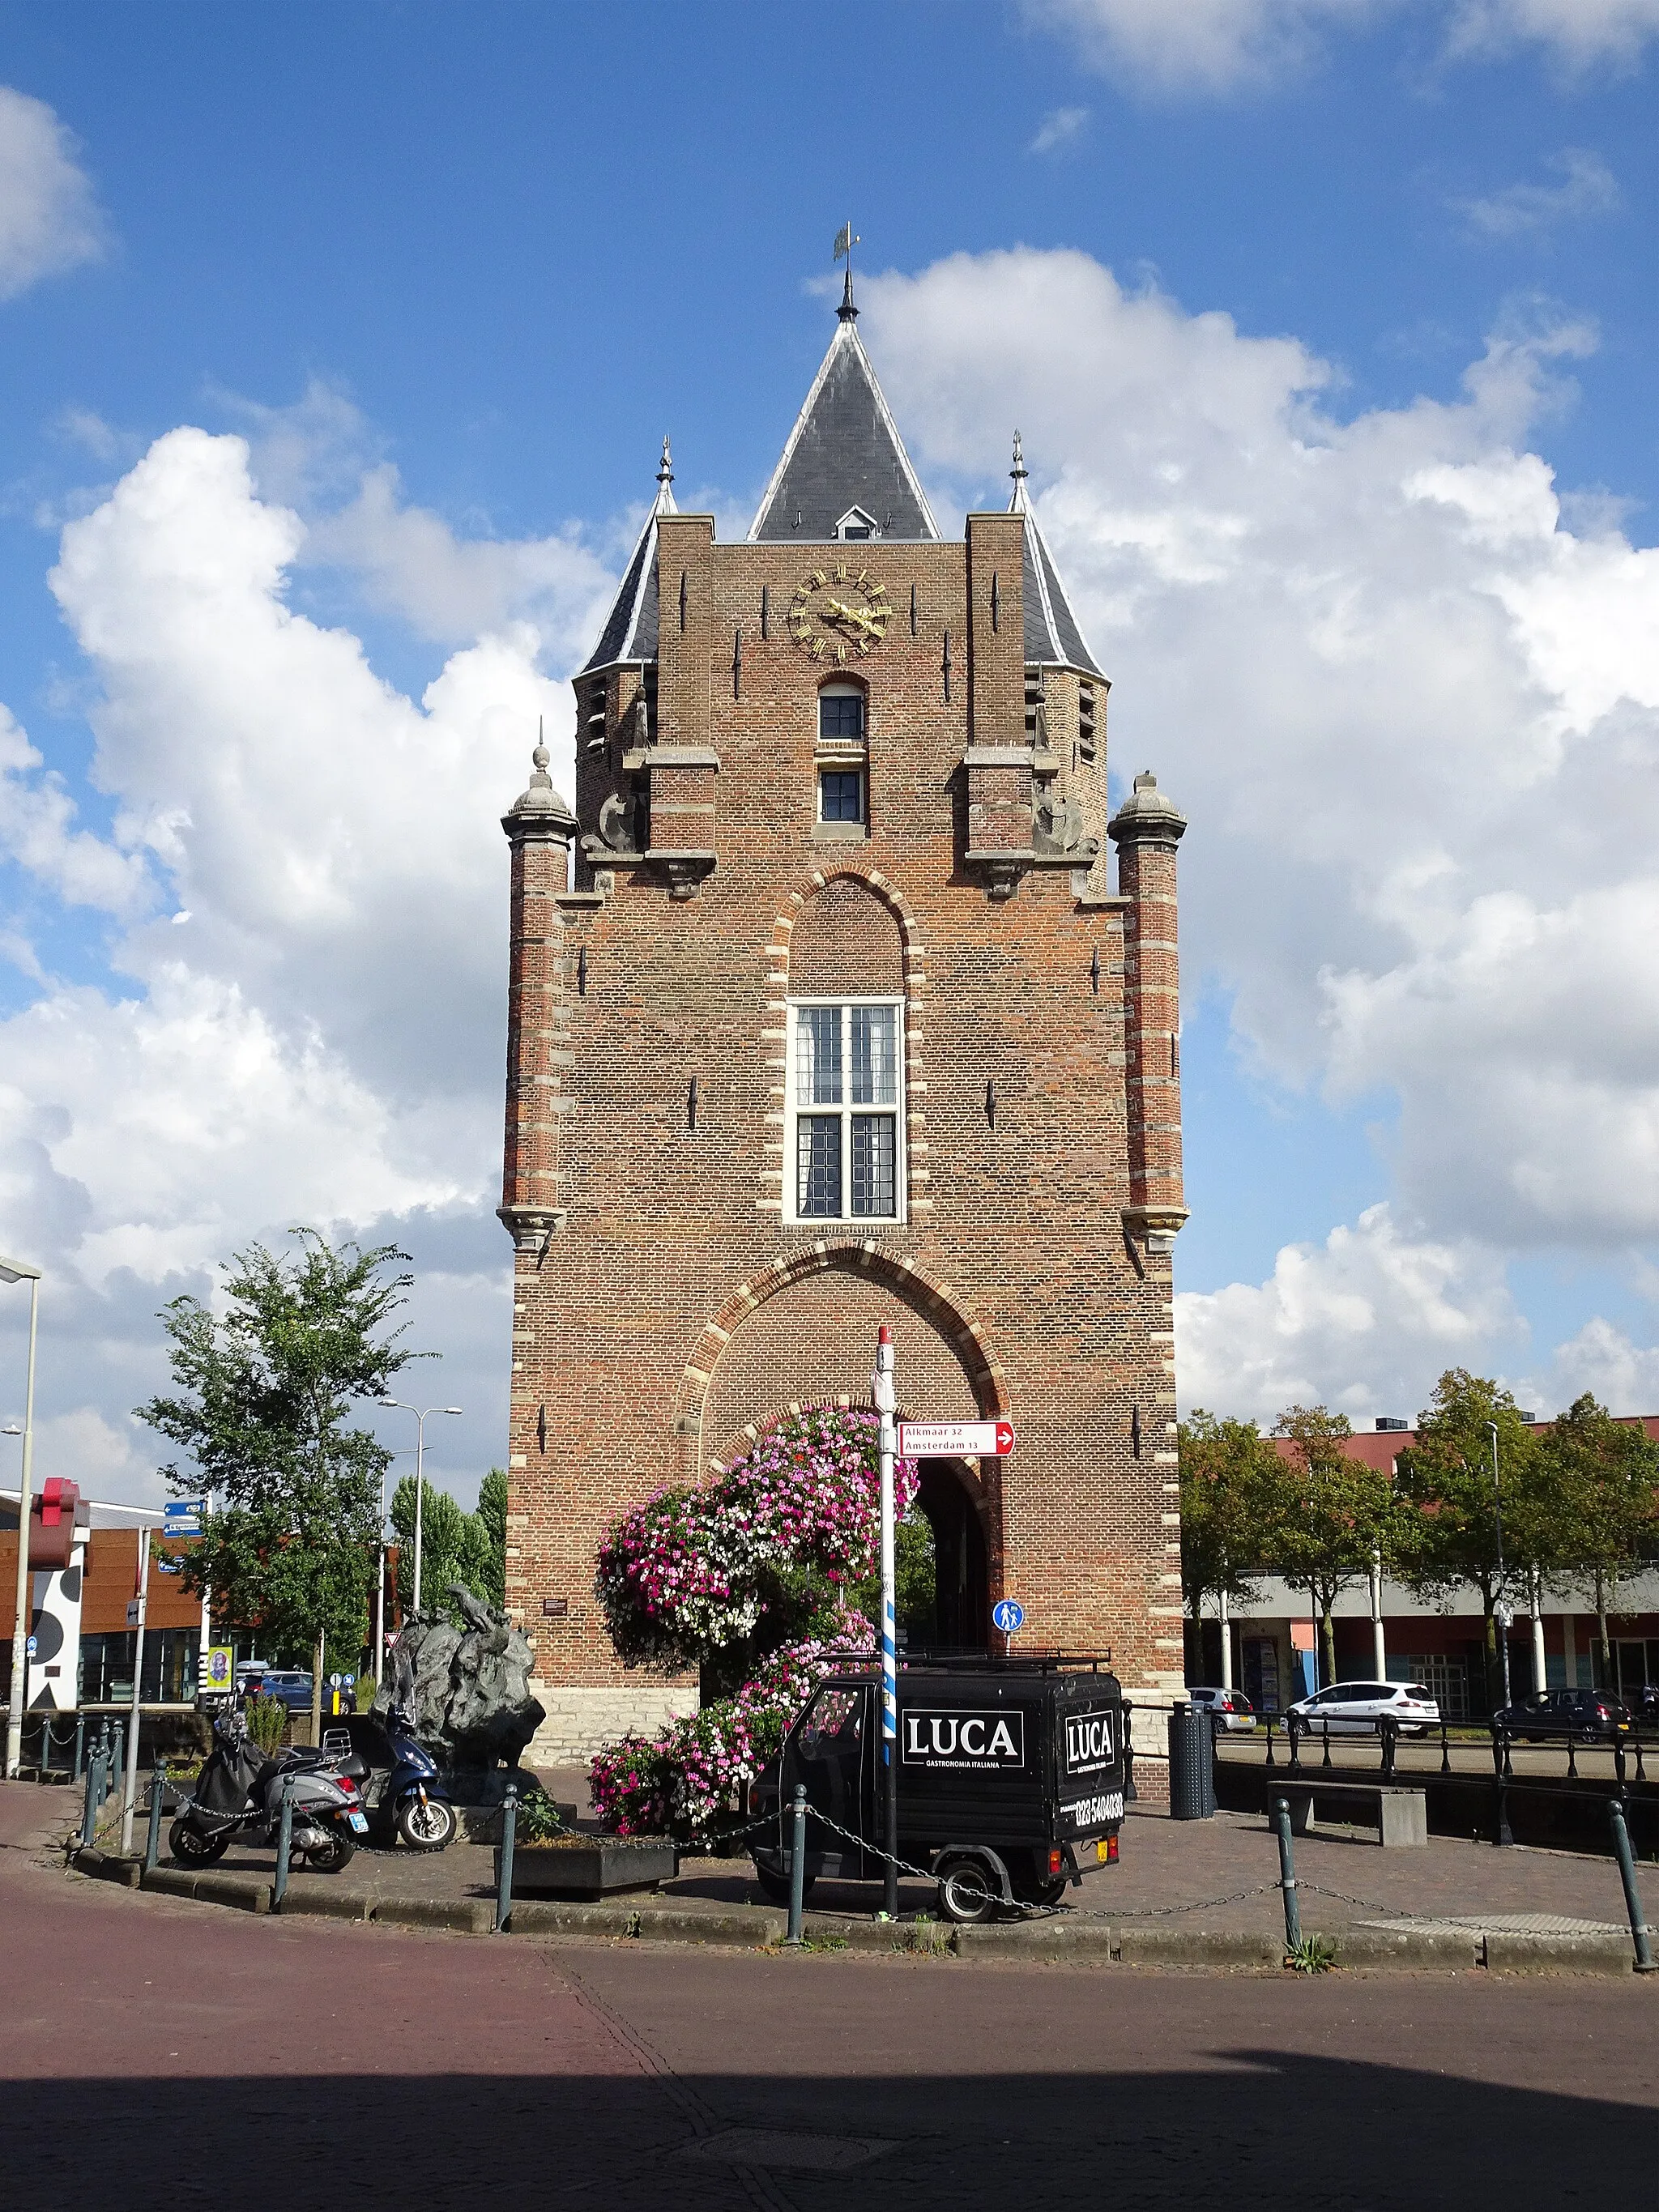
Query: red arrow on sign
point(1005, 1437)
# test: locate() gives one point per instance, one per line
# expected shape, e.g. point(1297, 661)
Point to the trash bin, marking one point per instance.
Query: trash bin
point(1192, 1764)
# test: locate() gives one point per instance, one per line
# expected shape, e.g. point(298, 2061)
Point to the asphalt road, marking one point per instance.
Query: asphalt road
point(160, 2053)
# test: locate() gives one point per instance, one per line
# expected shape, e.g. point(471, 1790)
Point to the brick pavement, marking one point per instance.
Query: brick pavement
point(1166, 1864)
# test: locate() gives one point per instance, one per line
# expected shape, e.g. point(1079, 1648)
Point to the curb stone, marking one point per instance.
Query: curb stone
point(745, 1924)
point(469, 1916)
point(1198, 1947)
point(903, 1938)
point(324, 1905)
point(104, 1866)
point(1042, 1939)
point(232, 1889)
point(169, 1881)
point(1560, 1954)
point(1454, 1948)
point(534, 1915)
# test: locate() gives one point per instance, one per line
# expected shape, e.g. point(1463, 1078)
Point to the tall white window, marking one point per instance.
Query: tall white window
point(845, 1133)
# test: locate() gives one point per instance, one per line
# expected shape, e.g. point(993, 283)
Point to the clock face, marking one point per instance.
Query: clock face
point(838, 615)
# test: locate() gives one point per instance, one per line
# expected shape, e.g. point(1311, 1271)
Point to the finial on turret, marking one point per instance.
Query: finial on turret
point(1018, 472)
point(665, 466)
point(539, 802)
point(846, 240)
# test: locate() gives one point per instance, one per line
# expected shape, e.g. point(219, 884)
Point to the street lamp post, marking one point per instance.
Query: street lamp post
point(15, 1271)
point(421, 1415)
point(1502, 1613)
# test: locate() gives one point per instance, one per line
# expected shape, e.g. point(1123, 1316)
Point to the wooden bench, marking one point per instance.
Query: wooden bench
point(1398, 1813)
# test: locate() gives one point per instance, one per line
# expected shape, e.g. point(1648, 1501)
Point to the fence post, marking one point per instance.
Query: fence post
point(1646, 1963)
point(509, 1831)
point(1326, 1761)
point(1388, 1728)
point(1270, 1760)
point(1296, 1728)
point(797, 1863)
point(118, 1763)
point(95, 1798)
point(158, 1783)
point(1445, 1745)
point(80, 1745)
point(1288, 1875)
point(284, 1846)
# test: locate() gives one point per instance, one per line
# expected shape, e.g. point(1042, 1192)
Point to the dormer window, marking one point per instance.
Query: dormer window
point(855, 523)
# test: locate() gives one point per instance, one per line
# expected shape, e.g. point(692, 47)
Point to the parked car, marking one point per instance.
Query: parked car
point(1585, 1715)
point(1355, 1708)
point(288, 1684)
point(1231, 1708)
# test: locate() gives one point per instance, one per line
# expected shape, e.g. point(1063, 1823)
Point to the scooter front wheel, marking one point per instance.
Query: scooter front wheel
point(426, 1824)
point(190, 1847)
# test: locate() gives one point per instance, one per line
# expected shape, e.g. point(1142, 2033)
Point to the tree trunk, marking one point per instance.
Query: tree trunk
point(1494, 1679)
point(1327, 1640)
point(1601, 1630)
point(317, 1687)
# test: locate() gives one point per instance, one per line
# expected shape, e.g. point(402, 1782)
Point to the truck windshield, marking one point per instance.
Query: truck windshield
point(833, 1724)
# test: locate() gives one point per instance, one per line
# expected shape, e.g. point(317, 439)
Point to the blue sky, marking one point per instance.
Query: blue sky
point(1331, 328)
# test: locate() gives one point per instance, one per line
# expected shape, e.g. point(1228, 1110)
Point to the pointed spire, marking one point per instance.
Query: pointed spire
point(1053, 636)
point(844, 469)
point(1018, 472)
point(665, 481)
point(847, 312)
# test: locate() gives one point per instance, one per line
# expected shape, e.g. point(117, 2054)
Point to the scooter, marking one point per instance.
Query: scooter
point(397, 1775)
point(240, 1790)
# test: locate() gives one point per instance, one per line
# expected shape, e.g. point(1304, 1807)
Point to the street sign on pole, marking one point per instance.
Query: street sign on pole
point(1008, 1615)
point(184, 1519)
point(955, 1439)
point(885, 1395)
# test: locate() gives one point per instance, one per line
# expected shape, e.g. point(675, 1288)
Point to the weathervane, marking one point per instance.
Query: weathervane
point(846, 240)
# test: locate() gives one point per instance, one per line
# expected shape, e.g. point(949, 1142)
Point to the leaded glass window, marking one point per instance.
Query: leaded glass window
point(845, 1105)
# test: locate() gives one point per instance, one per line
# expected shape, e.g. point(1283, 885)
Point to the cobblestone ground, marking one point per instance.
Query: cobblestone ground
point(1170, 1871)
point(152, 2050)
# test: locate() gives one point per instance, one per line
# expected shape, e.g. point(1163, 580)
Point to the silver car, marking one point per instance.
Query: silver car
point(1355, 1708)
point(1232, 1710)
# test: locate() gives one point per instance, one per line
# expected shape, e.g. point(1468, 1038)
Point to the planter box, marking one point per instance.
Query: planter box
point(590, 1866)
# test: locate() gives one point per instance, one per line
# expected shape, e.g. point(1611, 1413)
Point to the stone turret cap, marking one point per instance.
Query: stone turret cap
point(538, 811)
point(1147, 816)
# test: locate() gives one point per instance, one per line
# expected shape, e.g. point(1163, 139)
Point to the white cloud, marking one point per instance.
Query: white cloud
point(1587, 187)
point(1413, 718)
point(1202, 46)
point(36, 815)
point(1060, 126)
point(49, 218)
point(1218, 47)
point(1362, 1324)
point(1578, 33)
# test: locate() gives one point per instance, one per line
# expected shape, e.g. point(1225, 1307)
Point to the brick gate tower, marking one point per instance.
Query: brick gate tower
point(824, 1012)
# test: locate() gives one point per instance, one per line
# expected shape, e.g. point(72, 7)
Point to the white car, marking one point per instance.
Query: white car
point(1231, 1708)
point(1355, 1708)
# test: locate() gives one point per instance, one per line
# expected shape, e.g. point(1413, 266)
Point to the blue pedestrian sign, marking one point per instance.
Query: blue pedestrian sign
point(1008, 1615)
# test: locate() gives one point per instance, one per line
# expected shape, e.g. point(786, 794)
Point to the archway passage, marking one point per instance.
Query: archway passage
point(962, 1613)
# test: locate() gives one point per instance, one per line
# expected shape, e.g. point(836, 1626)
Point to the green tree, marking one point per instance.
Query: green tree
point(262, 1402)
point(1452, 1537)
point(492, 1511)
point(1225, 1496)
point(1603, 1477)
point(456, 1547)
point(1330, 1515)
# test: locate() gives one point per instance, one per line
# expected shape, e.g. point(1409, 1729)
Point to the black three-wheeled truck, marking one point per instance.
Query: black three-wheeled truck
point(1011, 1780)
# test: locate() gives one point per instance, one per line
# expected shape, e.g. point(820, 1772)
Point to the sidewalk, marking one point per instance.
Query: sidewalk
point(1220, 1876)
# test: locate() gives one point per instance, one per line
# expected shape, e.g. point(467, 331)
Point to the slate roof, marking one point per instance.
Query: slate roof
point(629, 634)
point(1054, 637)
point(844, 452)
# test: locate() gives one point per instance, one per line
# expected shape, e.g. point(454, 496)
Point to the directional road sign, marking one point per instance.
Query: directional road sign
point(1008, 1615)
point(955, 1439)
point(167, 1563)
point(183, 1518)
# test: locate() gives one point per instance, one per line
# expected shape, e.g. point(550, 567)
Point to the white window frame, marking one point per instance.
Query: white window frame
point(794, 1112)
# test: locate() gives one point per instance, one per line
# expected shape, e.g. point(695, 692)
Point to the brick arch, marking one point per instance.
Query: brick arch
point(932, 1301)
point(914, 960)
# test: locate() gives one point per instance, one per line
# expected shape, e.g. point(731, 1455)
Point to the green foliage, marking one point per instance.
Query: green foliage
point(261, 1405)
point(492, 1511)
point(1330, 1515)
point(267, 1719)
point(1312, 1955)
point(537, 1821)
point(1226, 1500)
point(456, 1547)
point(1602, 1478)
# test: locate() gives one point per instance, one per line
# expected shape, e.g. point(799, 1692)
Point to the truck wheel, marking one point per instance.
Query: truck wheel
point(775, 1885)
point(966, 1891)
